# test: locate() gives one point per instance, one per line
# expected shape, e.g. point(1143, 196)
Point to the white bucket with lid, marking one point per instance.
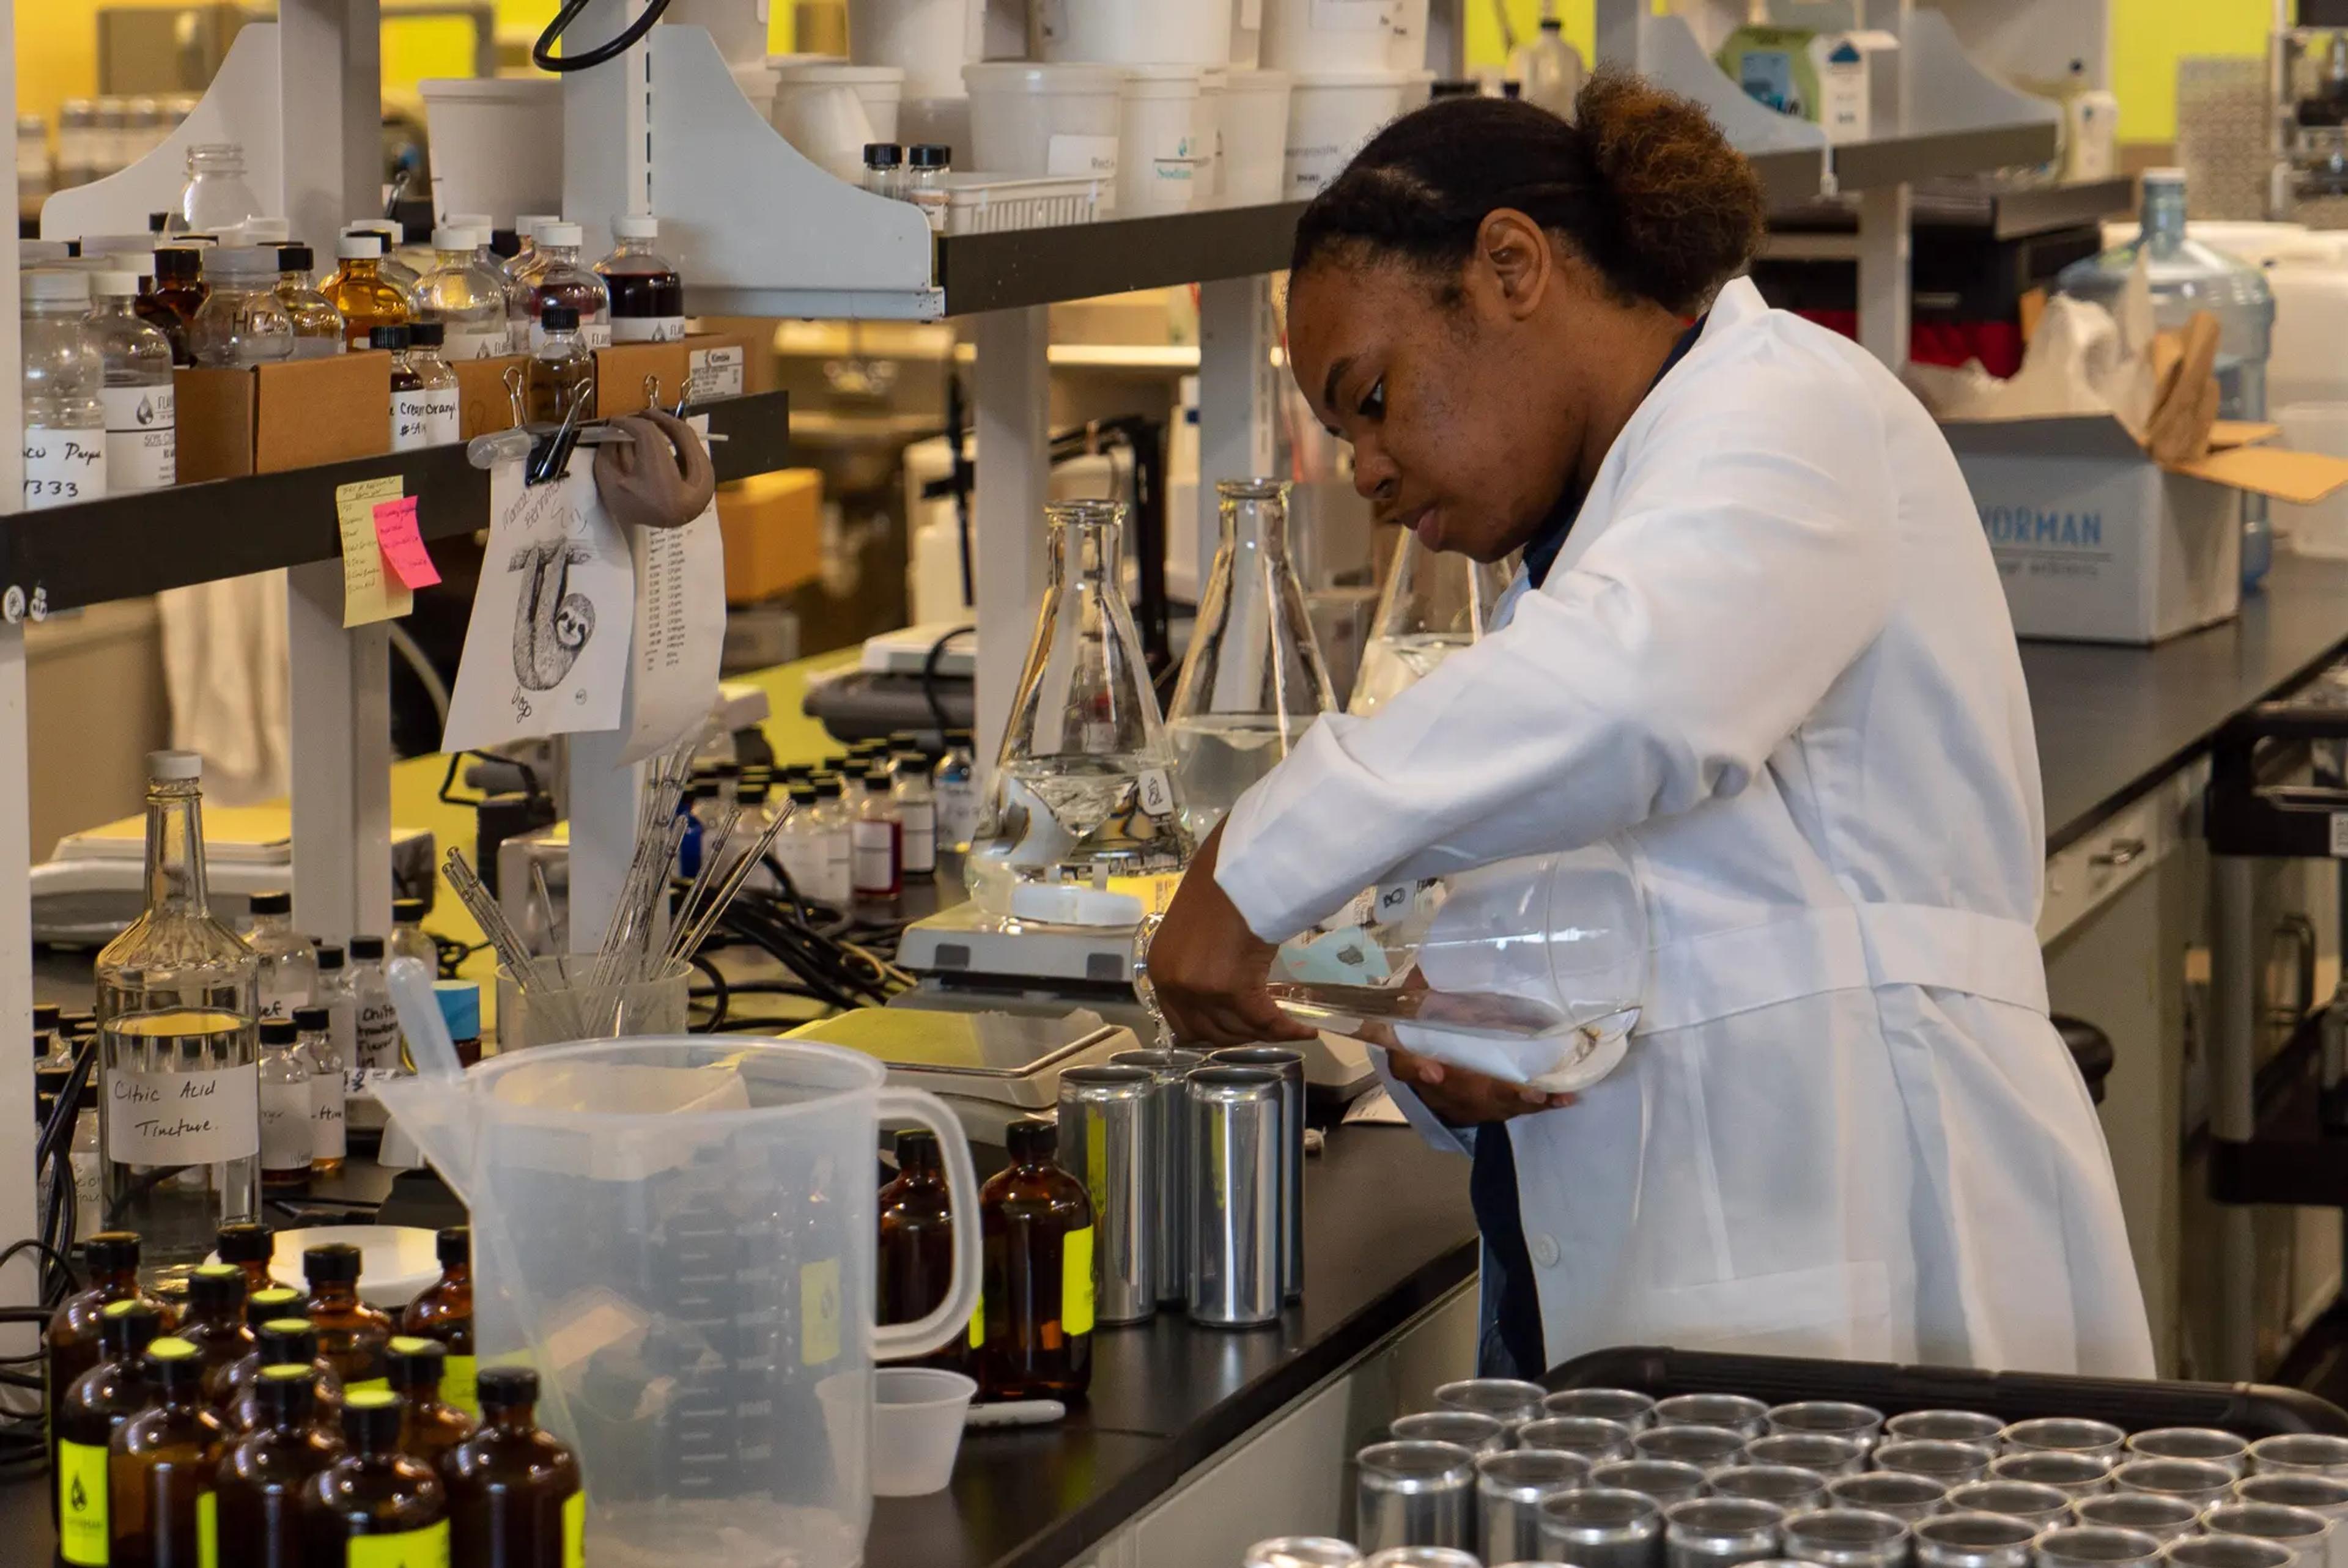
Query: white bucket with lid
point(879, 88)
point(1031, 119)
point(1332, 34)
point(1136, 32)
point(496, 143)
point(1253, 132)
point(1165, 140)
point(930, 40)
point(1330, 114)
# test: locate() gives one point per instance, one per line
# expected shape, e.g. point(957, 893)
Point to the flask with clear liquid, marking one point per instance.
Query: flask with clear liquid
point(1084, 784)
point(1434, 604)
point(1253, 680)
point(179, 1090)
point(2186, 276)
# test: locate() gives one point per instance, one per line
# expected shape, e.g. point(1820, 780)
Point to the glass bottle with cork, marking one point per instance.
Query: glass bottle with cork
point(162, 1467)
point(75, 1332)
point(289, 1342)
point(265, 1471)
point(443, 1311)
point(141, 399)
point(647, 296)
point(560, 374)
point(916, 1251)
point(351, 1336)
point(361, 292)
point(289, 961)
point(375, 1493)
point(430, 1427)
point(215, 1322)
point(284, 1107)
point(329, 1130)
point(1032, 1335)
point(179, 1086)
point(317, 326)
point(176, 294)
point(514, 1494)
point(83, 1415)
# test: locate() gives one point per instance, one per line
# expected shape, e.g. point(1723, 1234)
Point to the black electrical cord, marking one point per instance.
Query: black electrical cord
point(720, 994)
point(930, 677)
point(543, 55)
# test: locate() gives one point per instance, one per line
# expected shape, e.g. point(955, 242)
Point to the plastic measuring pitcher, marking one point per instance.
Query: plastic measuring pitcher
point(678, 1232)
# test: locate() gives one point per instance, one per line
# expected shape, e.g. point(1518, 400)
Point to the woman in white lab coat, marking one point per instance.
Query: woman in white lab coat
point(1761, 641)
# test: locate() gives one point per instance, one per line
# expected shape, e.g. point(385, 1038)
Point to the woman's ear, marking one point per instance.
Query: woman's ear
point(1519, 257)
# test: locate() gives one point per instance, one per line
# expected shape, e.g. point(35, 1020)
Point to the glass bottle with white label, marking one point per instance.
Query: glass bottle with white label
point(465, 297)
point(241, 322)
point(141, 429)
point(647, 296)
point(520, 314)
point(375, 1028)
point(424, 391)
point(339, 996)
point(876, 842)
point(327, 1089)
point(317, 326)
point(917, 813)
point(557, 278)
point(289, 960)
point(179, 1090)
point(954, 784)
point(284, 1106)
point(63, 386)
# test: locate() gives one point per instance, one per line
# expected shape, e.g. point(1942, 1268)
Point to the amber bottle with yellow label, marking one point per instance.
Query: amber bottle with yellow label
point(513, 1490)
point(1030, 1337)
point(83, 1422)
point(374, 1506)
point(351, 1336)
point(443, 1310)
point(916, 1252)
point(431, 1427)
point(162, 1468)
point(224, 1384)
point(263, 1477)
point(72, 1342)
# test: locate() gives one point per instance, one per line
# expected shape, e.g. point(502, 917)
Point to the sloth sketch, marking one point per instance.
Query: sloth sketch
point(552, 624)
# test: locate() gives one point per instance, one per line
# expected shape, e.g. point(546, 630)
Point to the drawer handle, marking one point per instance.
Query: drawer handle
point(2123, 852)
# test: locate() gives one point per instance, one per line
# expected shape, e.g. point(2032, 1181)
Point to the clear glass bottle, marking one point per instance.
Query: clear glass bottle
point(86, 1160)
point(216, 198)
point(520, 314)
point(396, 269)
point(1253, 680)
point(64, 390)
point(76, 120)
point(2186, 276)
point(351, 1336)
point(284, 1107)
point(796, 847)
point(162, 1467)
point(1032, 1336)
point(264, 1472)
point(443, 1311)
point(833, 845)
point(513, 1489)
point(884, 170)
point(84, 1416)
point(179, 1084)
point(242, 322)
point(954, 783)
point(374, 1494)
point(377, 1034)
point(361, 291)
point(927, 166)
point(1084, 779)
point(178, 294)
point(425, 396)
point(876, 842)
point(561, 373)
point(1549, 67)
point(430, 1427)
point(465, 297)
point(556, 277)
point(647, 296)
point(329, 1140)
point(1432, 606)
point(917, 813)
point(916, 1245)
point(288, 975)
point(141, 422)
point(317, 326)
point(408, 938)
point(339, 996)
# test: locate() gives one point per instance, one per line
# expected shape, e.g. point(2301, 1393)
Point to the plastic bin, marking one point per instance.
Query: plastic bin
point(497, 143)
point(1137, 31)
point(1166, 138)
point(1030, 121)
point(1330, 35)
point(928, 40)
point(1330, 114)
point(1253, 135)
point(880, 88)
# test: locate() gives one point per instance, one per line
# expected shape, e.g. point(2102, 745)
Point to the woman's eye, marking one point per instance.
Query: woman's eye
point(1374, 402)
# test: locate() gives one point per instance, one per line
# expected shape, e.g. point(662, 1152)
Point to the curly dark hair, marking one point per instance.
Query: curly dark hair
point(1641, 183)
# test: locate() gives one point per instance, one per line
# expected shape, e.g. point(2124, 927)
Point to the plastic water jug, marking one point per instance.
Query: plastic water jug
point(678, 1233)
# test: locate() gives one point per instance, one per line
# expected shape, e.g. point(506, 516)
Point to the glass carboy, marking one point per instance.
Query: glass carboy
point(1253, 680)
point(1433, 605)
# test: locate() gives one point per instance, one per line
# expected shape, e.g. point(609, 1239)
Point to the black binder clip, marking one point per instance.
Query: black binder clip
point(549, 459)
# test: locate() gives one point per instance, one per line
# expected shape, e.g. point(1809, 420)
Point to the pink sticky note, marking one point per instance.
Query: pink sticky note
point(402, 546)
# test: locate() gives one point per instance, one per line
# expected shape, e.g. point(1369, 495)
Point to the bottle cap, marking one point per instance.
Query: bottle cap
point(454, 236)
point(883, 155)
point(173, 1363)
point(177, 263)
point(506, 1386)
point(635, 226)
point(174, 765)
point(243, 260)
point(270, 901)
point(312, 1020)
point(480, 221)
point(112, 1252)
point(802, 794)
point(2163, 177)
point(265, 231)
point(394, 338)
point(371, 1418)
point(330, 955)
point(1512, 89)
point(296, 258)
point(558, 318)
point(876, 782)
point(368, 949)
point(390, 231)
point(917, 1146)
point(406, 911)
point(113, 285)
point(289, 1340)
point(561, 234)
point(827, 786)
point(217, 1287)
point(528, 224)
point(426, 334)
point(753, 791)
point(331, 1263)
point(460, 1004)
point(454, 1245)
point(358, 247)
point(932, 155)
point(244, 1241)
point(55, 288)
point(263, 1308)
point(1030, 1140)
point(279, 1031)
point(127, 1328)
point(287, 1391)
point(411, 1362)
point(158, 221)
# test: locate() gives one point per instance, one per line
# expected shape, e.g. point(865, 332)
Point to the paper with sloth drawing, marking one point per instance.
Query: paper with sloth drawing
point(546, 651)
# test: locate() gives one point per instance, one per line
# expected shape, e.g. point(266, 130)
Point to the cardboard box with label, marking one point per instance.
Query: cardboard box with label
point(2096, 542)
point(712, 365)
point(290, 414)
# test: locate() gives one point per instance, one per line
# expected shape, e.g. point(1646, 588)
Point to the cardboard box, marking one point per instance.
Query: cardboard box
point(483, 405)
point(291, 415)
point(773, 528)
point(2098, 543)
point(716, 364)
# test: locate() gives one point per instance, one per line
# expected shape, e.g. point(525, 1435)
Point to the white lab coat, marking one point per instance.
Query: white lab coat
point(1774, 660)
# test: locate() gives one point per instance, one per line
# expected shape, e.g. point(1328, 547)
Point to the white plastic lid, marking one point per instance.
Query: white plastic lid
point(561, 234)
point(114, 284)
point(455, 236)
point(1074, 904)
point(55, 288)
point(358, 247)
point(481, 221)
point(636, 226)
point(526, 224)
point(174, 765)
point(1033, 77)
point(266, 230)
point(243, 260)
point(2163, 177)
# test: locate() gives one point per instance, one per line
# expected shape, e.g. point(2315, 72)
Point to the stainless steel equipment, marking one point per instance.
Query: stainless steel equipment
point(1234, 1159)
point(1665, 1480)
point(1602, 1527)
point(1168, 1172)
point(1593, 1438)
point(1510, 1487)
point(1414, 1494)
point(1108, 1140)
point(1848, 1538)
point(1290, 1065)
point(1720, 1532)
point(1634, 1409)
point(1973, 1540)
point(1795, 1491)
point(1480, 1435)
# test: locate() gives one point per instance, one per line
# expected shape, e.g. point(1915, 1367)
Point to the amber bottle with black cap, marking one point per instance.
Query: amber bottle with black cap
point(215, 1322)
point(82, 1424)
point(263, 1473)
point(431, 1427)
point(248, 1244)
point(514, 1498)
point(289, 1341)
point(260, 1307)
point(162, 1468)
point(351, 1336)
point(71, 1344)
point(443, 1310)
point(375, 1504)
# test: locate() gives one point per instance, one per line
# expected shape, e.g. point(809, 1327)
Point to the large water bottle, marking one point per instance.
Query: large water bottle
point(2188, 276)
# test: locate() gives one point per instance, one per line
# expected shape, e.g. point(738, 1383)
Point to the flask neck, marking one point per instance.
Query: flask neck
point(2164, 214)
point(1085, 554)
point(1256, 524)
point(175, 848)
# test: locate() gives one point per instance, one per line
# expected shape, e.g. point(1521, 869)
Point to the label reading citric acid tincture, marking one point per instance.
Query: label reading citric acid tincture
point(182, 1118)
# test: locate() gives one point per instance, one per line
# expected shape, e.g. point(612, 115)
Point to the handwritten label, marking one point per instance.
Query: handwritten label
point(184, 1118)
point(143, 439)
point(369, 592)
point(424, 417)
point(402, 546)
point(1156, 792)
point(377, 1038)
point(62, 467)
point(1094, 156)
point(328, 1136)
point(286, 1126)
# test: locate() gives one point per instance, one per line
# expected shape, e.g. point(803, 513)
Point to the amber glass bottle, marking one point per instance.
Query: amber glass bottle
point(180, 291)
point(163, 1468)
point(82, 1424)
point(215, 1322)
point(917, 1239)
point(260, 1307)
point(444, 1311)
point(262, 1478)
point(289, 1342)
point(375, 1493)
point(248, 1244)
point(430, 1427)
point(513, 1490)
point(351, 1334)
point(1032, 1336)
point(72, 1344)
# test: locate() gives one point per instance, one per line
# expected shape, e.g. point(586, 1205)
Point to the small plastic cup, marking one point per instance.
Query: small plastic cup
point(917, 1414)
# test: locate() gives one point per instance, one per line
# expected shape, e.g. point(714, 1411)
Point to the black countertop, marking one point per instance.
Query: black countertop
point(2114, 722)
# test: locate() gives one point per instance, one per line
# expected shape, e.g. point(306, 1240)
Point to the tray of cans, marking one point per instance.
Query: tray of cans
point(1650, 1457)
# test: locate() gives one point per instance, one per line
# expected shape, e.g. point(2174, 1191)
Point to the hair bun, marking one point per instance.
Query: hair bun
point(1688, 207)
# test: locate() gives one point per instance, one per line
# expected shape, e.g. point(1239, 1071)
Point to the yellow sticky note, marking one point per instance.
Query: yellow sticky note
point(370, 593)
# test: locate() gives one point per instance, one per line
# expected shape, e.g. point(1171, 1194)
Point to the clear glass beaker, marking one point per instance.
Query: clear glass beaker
point(678, 1233)
point(1253, 680)
point(1085, 781)
point(1433, 605)
point(216, 198)
point(567, 1004)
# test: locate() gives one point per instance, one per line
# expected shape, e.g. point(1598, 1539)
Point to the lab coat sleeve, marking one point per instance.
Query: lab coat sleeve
point(1749, 562)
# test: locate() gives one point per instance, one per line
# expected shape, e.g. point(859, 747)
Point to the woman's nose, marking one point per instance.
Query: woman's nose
point(1374, 474)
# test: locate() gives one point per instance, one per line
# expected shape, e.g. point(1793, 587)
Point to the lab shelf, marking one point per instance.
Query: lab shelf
point(1991, 207)
point(65, 558)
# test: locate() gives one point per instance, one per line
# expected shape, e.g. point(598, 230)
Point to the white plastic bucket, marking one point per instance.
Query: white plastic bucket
point(1211, 126)
point(880, 88)
point(1330, 114)
point(1030, 120)
point(1330, 35)
point(497, 143)
point(829, 125)
point(1254, 135)
point(1163, 146)
point(2320, 529)
point(1246, 33)
point(1136, 32)
point(1406, 34)
point(930, 40)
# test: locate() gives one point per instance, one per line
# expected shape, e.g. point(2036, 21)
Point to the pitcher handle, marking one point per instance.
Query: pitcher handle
point(895, 1341)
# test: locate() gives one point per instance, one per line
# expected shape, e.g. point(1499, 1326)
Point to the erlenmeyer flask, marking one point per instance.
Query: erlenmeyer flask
point(1434, 605)
point(1253, 680)
point(1084, 784)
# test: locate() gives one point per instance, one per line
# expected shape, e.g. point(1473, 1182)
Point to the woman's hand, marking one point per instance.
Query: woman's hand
point(1465, 1099)
point(1207, 969)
